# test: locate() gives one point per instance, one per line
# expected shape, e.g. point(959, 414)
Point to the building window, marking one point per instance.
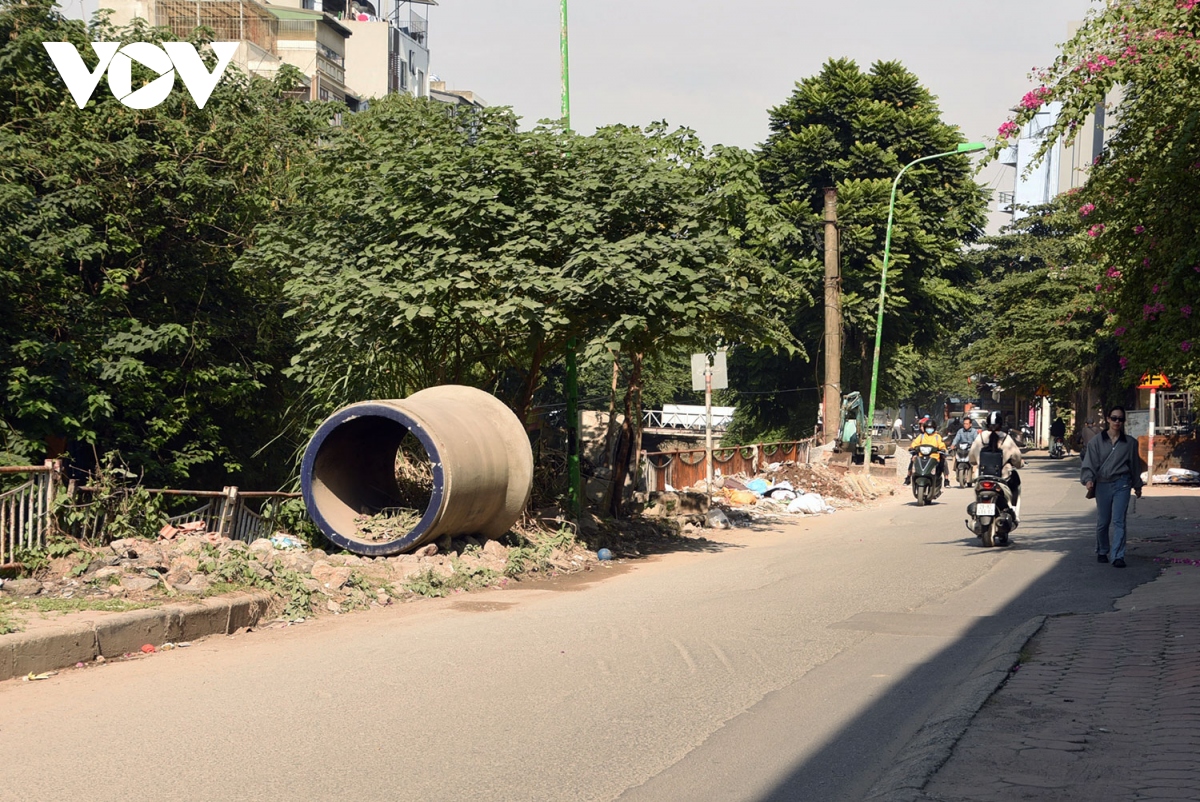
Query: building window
point(403, 76)
point(420, 83)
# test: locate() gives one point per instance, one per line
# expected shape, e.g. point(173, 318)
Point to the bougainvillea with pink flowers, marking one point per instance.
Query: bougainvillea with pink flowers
point(1137, 216)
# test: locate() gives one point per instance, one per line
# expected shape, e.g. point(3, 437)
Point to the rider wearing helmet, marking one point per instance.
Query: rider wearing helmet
point(929, 437)
point(994, 438)
point(967, 435)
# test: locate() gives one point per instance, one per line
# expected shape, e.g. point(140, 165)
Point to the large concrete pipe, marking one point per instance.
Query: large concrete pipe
point(478, 450)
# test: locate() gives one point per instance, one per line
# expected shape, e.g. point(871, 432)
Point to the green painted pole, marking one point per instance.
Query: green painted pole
point(965, 147)
point(574, 479)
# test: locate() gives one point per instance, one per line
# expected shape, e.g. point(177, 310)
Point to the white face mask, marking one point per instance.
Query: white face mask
point(929, 430)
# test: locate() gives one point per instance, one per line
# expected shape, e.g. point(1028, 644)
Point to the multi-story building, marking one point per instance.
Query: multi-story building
point(1061, 168)
point(346, 50)
point(390, 51)
point(454, 97)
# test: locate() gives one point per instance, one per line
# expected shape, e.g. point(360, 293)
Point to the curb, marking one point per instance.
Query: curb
point(932, 744)
point(51, 649)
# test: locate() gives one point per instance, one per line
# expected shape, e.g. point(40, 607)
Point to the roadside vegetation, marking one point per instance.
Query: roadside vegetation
point(185, 293)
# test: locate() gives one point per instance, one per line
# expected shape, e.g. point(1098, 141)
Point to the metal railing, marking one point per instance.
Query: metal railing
point(27, 511)
point(686, 418)
point(224, 513)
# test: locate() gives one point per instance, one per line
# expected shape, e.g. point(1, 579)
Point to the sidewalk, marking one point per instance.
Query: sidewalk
point(1103, 706)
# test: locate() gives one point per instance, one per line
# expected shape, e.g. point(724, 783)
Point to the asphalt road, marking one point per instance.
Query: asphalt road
point(793, 664)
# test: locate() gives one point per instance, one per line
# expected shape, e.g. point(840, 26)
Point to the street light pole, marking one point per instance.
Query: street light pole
point(574, 480)
point(963, 147)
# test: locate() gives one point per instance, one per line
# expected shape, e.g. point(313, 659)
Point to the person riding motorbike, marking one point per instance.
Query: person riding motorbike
point(996, 438)
point(968, 434)
point(1058, 431)
point(929, 437)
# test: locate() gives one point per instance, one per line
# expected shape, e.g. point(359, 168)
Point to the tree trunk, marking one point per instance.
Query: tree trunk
point(636, 381)
point(611, 434)
point(531, 378)
point(625, 451)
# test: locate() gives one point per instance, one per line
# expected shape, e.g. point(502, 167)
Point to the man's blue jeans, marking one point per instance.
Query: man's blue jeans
point(1112, 502)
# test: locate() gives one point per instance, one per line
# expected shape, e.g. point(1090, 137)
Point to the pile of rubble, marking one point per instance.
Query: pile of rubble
point(780, 491)
point(184, 564)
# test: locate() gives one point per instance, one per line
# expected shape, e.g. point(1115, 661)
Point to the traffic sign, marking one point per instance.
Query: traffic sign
point(1157, 381)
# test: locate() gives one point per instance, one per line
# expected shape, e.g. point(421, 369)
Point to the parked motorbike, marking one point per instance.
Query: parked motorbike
point(991, 515)
point(962, 464)
point(1058, 448)
point(1024, 436)
point(926, 479)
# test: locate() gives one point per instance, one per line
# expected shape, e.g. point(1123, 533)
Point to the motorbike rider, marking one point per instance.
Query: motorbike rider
point(929, 437)
point(1058, 430)
point(968, 434)
point(995, 438)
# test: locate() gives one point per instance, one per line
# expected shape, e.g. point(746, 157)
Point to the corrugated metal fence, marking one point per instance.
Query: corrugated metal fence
point(684, 468)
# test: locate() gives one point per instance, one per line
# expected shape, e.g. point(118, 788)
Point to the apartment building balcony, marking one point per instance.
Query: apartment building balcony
point(230, 20)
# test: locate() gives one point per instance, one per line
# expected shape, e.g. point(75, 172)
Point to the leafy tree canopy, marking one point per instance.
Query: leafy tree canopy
point(122, 322)
point(429, 247)
point(1138, 209)
point(855, 130)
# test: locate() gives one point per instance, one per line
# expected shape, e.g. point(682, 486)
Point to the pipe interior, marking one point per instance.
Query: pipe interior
point(355, 472)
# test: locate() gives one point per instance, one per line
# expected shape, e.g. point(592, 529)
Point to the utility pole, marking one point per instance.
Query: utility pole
point(833, 319)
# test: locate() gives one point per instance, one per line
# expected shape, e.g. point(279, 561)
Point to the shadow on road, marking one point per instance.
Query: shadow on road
point(1072, 584)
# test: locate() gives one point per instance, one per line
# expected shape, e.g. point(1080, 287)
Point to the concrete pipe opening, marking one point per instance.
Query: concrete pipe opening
point(385, 477)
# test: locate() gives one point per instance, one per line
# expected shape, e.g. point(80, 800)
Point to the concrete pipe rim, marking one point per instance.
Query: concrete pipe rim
point(387, 412)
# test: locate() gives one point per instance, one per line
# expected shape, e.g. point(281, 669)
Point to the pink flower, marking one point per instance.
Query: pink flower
point(1036, 98)
point(1186, 311)
point(1185, 346)
point(1154, 289)
point(1112, 272)
point(1095, 230)
point(1138, 229)
point(1124, 362)
point(1118, 331)
point(1088, 208)
point(1007, 129)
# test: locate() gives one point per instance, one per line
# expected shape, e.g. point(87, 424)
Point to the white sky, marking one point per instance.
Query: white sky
point(718, 67)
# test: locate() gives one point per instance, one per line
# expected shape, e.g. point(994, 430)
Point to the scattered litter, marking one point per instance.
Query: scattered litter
point(1177, 476)
point(717, 519)
point(809, 504)
point(31, 676)
point(604, 554)
point(282, 541)
point(148, 648)
point(757, 486)
point(166, 647)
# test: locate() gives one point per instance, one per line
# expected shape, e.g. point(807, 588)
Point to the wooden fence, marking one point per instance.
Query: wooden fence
point(684, 468)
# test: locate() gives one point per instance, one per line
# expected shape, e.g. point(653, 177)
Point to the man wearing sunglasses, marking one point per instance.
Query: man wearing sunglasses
point(1111, 467)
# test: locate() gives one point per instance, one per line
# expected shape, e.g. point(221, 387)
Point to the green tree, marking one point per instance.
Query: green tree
point(123, 324)
point(855, 130)
point(1137, 209)
point(1037, 323)
point(430, 247)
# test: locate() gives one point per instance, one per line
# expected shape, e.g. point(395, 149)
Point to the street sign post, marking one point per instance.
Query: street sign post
point(708, 374)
